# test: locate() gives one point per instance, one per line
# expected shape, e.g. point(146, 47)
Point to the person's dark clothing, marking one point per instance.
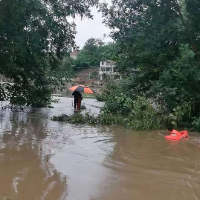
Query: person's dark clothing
point(76, 95)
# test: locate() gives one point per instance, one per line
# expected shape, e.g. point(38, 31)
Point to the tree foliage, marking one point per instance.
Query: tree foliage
point(161, 39)
point(34, 36)
point(94, 51)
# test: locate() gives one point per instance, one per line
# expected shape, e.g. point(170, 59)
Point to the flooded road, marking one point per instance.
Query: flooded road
point(45, 160)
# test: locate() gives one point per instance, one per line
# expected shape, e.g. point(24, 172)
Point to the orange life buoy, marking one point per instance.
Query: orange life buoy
point(184, 134)
point(176, 136)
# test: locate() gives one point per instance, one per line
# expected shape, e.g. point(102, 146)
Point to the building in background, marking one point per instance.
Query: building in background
point(108, 70)
point(74, 54)
point(4, 80)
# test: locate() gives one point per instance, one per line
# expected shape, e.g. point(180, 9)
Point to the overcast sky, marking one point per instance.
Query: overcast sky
point(87, 28)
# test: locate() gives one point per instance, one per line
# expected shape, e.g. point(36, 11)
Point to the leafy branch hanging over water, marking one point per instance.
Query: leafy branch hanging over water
point(34, 37)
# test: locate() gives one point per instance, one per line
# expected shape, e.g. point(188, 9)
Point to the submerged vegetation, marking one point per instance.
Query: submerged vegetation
point(77, 118)
point(88, 118)
point(137, 115)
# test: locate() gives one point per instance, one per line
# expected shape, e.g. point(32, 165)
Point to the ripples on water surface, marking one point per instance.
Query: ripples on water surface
point(45, 160)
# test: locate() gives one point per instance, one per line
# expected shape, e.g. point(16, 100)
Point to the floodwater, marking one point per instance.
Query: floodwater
point(45, 160)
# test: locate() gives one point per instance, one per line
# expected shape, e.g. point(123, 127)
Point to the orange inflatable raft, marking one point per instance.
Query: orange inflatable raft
point(176, 135)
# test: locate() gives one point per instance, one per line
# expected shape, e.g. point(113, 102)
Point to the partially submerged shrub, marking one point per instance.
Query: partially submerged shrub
point(83, 107)
point(55, 100)
point(137, 114)
point(100, 97)
point(61, 118)
point(87, 118)
point(180, 115)
point(77, 118)
point(142, 117)
point(196, 124)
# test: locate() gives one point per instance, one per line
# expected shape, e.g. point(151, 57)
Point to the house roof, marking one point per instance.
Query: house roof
point(75, 53)
point(109, 61)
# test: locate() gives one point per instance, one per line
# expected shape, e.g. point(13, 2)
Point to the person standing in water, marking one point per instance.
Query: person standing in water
point(77, 100)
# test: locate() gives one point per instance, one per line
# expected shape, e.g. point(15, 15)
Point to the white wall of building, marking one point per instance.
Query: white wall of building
point(107, 68)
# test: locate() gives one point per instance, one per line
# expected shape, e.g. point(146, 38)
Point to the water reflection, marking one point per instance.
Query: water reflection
point(25, 170)
point(42, 159)
point(148, 167)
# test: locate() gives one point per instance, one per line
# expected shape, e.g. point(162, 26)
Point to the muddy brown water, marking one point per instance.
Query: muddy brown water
point(45, 160)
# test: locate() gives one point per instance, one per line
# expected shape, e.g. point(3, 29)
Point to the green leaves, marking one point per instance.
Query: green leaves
point(179, 82)
point(180, 113)
point(147, 32)
point(94, 51)
point(34, 37)
point(161, 39)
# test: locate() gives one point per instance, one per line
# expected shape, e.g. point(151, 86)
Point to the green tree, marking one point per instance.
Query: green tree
point(34, 36)
point(94, 51)
point(161, 39)
point(180, 81)
point(148, 33)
